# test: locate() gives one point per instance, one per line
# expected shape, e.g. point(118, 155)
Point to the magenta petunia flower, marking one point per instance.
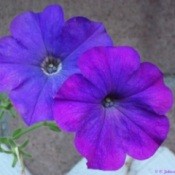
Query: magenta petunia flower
point(116, 107)
point(40, 54)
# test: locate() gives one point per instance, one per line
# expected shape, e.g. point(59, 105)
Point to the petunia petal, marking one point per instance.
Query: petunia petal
point(109, 68)
point(14, 52)
point(123, 61)
point(146, 88)
point(75, 99)
point(19, 80)
point(79, 34)
point(32, 100)
point(26, 30)
point(69, 114)
point(79, 89)
point(39, 32)
point(12, 75)
point(97, 140)
point(17, 64)
point(141, 131)
point(51, 23)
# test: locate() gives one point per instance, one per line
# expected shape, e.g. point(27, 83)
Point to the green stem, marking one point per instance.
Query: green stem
point(20, 159)
point(32, 128)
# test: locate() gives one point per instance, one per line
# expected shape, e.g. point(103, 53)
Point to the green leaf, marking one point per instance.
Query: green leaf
point(26, 154)
point(12, 113)
point(15, 160)
point(24, 144)
point(7, 152)
point(8, 106)
point(52, 126)
point(4, 140)
point(12, 143)
point(1, 114)
point(17, 132)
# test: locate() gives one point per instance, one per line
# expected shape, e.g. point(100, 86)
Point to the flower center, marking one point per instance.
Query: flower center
point(51, 65)
point(108, 101)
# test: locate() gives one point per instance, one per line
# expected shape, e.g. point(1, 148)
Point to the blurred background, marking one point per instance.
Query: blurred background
point(147, 25)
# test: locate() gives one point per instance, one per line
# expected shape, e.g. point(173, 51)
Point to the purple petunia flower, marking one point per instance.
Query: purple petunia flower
point(116, 107)
point(40, 54)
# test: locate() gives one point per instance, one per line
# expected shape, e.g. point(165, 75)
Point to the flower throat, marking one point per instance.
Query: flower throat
point(51, 65)
point(109, 101)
